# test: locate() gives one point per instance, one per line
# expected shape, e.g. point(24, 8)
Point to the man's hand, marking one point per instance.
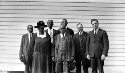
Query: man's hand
point(21, 58)
point(72, 58)
point(88, 57)
point(103, 57)
point(53, 59)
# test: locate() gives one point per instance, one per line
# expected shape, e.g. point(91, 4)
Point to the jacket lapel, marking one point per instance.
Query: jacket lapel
point(98, 33)
point(93, 34)
point(77, 35)
point(27, 38)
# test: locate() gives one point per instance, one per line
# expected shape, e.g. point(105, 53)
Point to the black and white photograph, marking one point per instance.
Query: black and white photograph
point(62, 36)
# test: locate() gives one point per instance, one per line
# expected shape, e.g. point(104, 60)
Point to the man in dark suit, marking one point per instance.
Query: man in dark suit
point(64, 51)
point(26, 49)
point(80, 39)
point(97, 47)
point(52, 32)
point(64, 25)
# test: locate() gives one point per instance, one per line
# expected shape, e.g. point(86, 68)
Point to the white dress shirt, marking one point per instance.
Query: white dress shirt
point(62, 35)
point(29, 35)
point(96, 31)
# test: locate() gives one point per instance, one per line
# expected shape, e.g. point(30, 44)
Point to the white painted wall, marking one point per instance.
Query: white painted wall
point(15, 15)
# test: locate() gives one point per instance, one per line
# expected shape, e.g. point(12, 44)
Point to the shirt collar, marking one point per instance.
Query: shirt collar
point(62, 35)
point(50, 30)
point(42, 36)
point(30, 33)
point(80, 33)
point(96, 31)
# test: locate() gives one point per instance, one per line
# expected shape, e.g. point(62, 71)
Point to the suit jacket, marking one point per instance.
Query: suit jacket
point(80, 45)
point(70, 51)
point(68, 31)
point(25, 48)
point(97, 45)
point(55, 32)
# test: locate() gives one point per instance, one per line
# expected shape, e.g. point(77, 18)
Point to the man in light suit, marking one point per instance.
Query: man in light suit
point(97, 47)
point(80, 39)
point(52, 32)
point(26, 50)
point(64, 51)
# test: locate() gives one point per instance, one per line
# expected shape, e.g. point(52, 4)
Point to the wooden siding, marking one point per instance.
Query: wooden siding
point(15, 15)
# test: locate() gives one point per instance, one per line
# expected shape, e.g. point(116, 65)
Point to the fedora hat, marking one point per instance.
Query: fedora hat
point(40, 23)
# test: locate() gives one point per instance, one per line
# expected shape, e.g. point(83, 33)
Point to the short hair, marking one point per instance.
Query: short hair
point(79, 24)
point(29, 25)
point(65, 19)
point(50, 21)
point(94, 20)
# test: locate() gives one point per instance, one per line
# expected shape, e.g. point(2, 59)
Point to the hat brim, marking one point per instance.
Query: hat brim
point(39, 26)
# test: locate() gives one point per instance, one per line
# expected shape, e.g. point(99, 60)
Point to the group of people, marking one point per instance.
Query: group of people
point(53, 51)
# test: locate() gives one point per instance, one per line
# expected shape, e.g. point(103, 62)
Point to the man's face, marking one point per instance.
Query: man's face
point(95, 24)
point(64, 23)
point(50, 24)
point(80, 28)
point(30, 29)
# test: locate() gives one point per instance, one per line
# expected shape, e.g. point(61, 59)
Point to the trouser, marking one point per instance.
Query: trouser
point(28, 64)
point(53, 66)
point(97, 62)
point(28, 67)
point(62, 66)
point(85, 63)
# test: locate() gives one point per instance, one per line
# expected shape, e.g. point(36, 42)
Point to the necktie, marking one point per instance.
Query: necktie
point(63, 34)
point(95, 34)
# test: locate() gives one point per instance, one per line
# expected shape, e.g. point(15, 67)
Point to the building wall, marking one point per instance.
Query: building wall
point(15, 15)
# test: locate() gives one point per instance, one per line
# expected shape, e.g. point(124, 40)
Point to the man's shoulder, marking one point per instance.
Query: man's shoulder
point(84, 32)
point(103, 30)
point(90, 32)
point(56, 30)
point(34, 34)
point(69, 29)
point(68, 35)
point(24, 35)
point(75, 34)
point(58, 35)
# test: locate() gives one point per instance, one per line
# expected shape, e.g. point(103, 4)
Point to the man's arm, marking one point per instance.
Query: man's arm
point(21, 48)
point(106, 44)
point(87, 47)
point(73, 48)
